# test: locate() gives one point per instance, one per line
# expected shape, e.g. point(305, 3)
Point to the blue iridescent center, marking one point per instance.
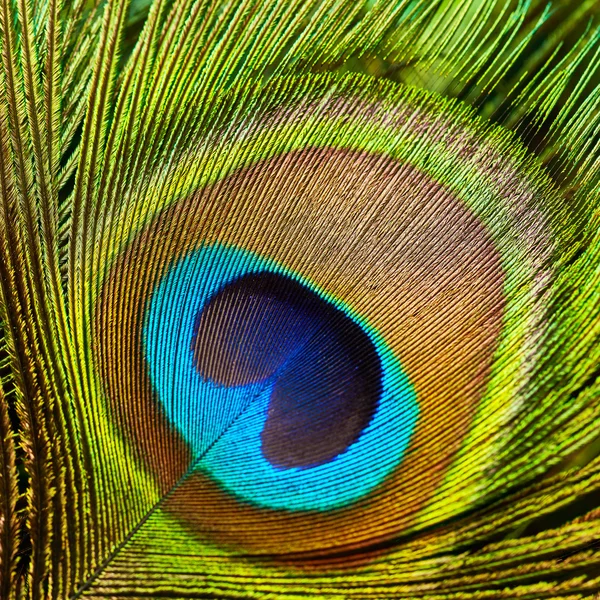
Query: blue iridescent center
point(321, 367)
point(286, 397)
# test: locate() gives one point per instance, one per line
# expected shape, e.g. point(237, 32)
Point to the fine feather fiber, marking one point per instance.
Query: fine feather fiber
point(299, 299)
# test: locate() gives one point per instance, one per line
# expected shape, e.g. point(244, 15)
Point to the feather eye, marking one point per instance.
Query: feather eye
point(317, 304)
point(298, 299)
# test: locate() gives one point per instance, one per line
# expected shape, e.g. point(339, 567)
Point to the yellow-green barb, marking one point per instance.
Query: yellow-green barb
point(299, 298)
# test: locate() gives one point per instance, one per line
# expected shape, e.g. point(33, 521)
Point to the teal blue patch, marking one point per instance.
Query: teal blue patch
point(222, 425)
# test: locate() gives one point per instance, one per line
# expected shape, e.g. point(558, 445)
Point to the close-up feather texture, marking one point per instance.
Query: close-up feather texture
point(300, 298)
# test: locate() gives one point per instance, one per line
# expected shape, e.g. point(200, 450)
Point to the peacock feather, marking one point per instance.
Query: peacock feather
point(299, 298)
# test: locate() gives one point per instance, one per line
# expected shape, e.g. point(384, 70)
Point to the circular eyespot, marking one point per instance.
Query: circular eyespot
point(285, 398)
point(316, 347)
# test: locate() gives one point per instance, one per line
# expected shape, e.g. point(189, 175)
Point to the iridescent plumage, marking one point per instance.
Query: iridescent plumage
point(299, 299)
